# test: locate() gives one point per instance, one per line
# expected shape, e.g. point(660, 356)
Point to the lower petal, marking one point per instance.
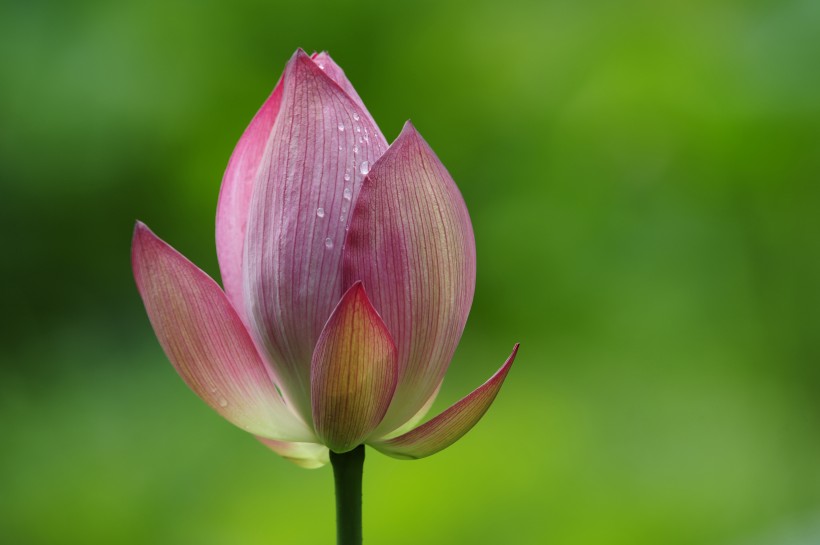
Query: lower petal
point(449, 426)
point(306, 455)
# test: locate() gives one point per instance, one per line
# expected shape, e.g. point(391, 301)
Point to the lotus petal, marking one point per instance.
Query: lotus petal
point(411, 243)
point(449, 426)
point(235, 197)
point(306, 455)
point(321, 145)
point(207, 342)
point(354, 373)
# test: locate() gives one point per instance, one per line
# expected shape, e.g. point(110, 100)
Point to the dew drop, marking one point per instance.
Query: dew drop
point(347, 176)
point(355, 116)
point(342, 218)
point(364, 168)
point(223, 402)
point(341, 127)
point(355, 149)
point(358, 129)
point(347, 194)
point(328, 243)
point(320, 212)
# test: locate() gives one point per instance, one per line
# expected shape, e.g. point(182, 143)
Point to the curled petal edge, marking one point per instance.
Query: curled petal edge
point(306, 455)
point(449, 426)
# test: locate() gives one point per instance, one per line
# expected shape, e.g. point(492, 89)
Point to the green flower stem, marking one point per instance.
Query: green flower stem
point(347, 473)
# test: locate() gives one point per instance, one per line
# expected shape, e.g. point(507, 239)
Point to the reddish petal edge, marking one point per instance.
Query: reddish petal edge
point(206, 341)
point(449, 426)
point(306, 455)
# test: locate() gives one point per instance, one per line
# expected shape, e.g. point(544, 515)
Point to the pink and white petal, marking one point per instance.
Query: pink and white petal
point(306, 455)
point(449, 426)
point(207, 342)
point(235, 197)
point(321, 145)
point(324, 62)
point(411, 243)
point(354, 373)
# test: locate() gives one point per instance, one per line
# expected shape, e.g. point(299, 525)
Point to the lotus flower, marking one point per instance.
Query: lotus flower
point(348, 269)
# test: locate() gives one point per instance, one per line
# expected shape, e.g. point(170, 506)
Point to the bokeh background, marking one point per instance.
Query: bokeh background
point(644, 181)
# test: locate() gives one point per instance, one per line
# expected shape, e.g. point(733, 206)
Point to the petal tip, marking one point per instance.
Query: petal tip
point(139, 229)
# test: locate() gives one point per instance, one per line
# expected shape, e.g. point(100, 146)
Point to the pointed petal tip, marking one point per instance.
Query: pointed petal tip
point(301, 56)
point(410, 136)
point(141, 236)
point(139, 229)
point(357, 289)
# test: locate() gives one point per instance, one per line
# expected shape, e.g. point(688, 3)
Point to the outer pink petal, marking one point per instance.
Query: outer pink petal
point(322, 143)
point(411, 244)
point(306, 455)
point(354, 373)
point(449, 426)
point(235, 197)
point(207, 342)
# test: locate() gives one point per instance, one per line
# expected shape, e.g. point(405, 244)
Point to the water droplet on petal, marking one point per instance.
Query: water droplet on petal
point(364, 168)
point(358, 129)
point(223, 402)
point(328, 243)
point(347, 194)
point(341, 127)
point(320, 212)
point(342, 218)
point(355, 116)
point(347, 176)
point(355, 149)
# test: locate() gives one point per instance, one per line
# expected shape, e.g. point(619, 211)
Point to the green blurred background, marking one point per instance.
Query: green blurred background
point(643, 180)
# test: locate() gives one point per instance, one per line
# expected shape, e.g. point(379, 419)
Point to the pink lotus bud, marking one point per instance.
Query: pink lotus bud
point(348, 268)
